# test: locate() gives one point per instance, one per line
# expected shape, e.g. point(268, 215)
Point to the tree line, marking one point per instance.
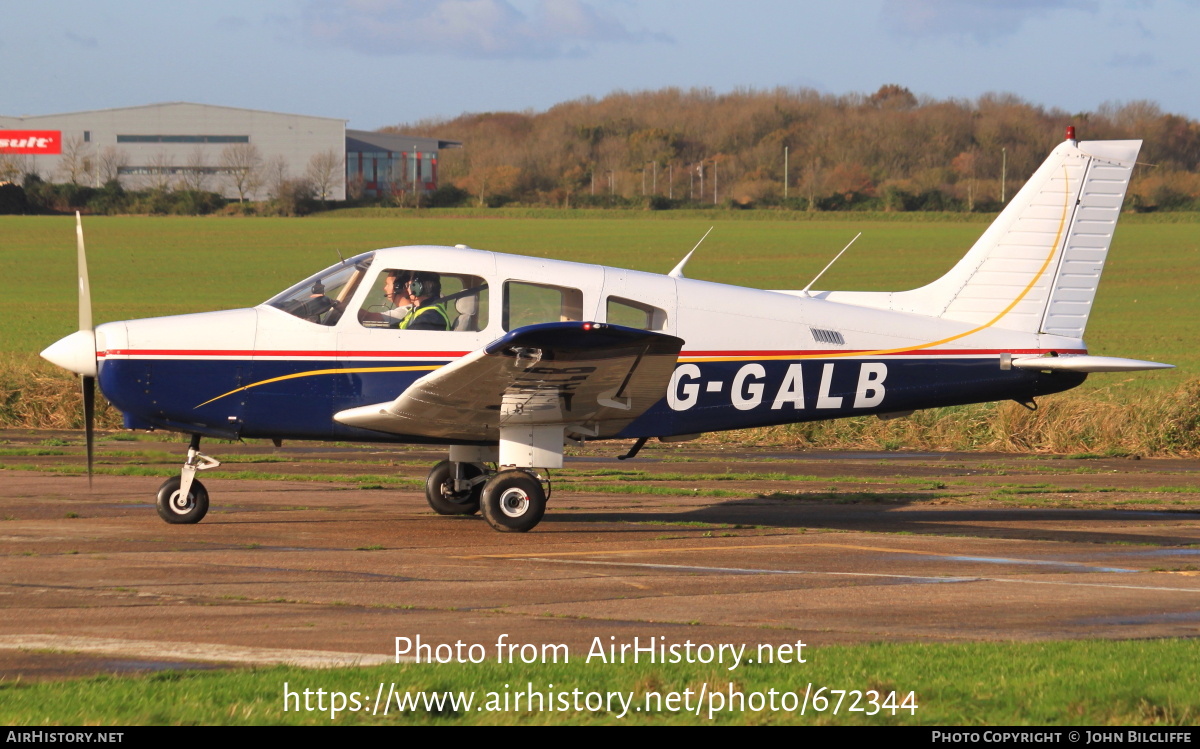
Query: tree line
point(784, 148)
point(796, 148)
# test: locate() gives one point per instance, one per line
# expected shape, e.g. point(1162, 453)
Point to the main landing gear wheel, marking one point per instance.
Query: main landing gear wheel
point(440, 493)
point(178, 510)
point(513, 501)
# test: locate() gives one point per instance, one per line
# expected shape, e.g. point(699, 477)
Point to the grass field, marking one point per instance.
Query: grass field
point(143, 267)
point(1089, 683)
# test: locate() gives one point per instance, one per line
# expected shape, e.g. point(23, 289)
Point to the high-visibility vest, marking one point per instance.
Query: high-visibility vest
point(416, 312)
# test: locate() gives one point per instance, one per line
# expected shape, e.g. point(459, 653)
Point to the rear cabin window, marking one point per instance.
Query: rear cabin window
point(461, 301)
point(633, 314)
point(532, 303)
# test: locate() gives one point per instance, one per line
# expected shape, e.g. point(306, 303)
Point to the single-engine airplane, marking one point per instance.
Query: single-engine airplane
point(534, 353)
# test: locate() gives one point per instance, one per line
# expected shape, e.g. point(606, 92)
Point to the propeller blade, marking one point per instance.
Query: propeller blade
point(89, 420)
point(85, 289)
point(85, 324)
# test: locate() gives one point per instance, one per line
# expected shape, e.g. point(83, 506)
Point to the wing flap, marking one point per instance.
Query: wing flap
point(592, 378)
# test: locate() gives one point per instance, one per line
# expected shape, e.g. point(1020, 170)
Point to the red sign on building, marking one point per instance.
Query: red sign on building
point(36, 142)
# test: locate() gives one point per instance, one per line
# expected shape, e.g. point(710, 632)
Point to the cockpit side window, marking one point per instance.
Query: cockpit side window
point(407, 299)
point(322, 298)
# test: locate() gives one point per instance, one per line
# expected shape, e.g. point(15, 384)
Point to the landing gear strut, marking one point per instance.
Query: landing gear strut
point(454, 488)
point(513, 499)
point(183, 500)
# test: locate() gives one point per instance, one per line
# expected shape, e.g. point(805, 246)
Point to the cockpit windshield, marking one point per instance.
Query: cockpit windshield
point(322, 298)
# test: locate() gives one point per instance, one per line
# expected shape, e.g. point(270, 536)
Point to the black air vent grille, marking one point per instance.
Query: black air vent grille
point(828, 336)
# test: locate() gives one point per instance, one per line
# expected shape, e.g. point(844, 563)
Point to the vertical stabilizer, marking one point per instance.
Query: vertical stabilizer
point(1037, 267)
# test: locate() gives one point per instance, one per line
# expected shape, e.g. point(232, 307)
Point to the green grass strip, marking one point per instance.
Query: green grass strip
point(1085, 683)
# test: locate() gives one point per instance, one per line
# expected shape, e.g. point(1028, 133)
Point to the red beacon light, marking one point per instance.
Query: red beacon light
point(1071, 133)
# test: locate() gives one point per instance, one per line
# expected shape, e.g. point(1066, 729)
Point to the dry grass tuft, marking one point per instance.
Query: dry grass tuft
point(38, 395)
point(1097, 421)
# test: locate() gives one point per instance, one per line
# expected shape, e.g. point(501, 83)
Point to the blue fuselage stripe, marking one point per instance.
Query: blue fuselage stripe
point(703, 396)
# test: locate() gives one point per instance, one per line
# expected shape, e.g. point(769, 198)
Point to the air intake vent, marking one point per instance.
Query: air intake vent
point(828, 336)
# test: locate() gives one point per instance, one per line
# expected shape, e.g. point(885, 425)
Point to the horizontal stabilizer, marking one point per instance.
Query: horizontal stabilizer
point(1084, 363)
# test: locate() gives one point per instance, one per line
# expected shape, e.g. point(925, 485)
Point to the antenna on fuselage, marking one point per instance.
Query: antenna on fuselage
point(804, 291)
point(340, 257)
point(677, 271)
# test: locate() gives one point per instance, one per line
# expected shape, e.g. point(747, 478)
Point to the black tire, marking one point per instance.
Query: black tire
point(513, 501)
point(439, 490)
point(175, 512)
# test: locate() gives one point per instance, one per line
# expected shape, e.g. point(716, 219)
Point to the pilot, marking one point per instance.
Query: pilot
point(414, 295)
point(420, 291)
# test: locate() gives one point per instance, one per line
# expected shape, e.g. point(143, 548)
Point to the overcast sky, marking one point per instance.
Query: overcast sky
point(383, 62)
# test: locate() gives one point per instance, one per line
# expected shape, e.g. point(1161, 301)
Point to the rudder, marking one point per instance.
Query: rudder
point(1086, 248)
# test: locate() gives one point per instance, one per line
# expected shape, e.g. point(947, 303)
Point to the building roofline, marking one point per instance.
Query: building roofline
point(174, 103)
point(366, 136)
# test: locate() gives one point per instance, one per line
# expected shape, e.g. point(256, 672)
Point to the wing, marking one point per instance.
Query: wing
point(593, 378)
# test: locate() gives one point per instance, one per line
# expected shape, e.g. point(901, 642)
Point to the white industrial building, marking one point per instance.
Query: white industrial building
point(236, 152)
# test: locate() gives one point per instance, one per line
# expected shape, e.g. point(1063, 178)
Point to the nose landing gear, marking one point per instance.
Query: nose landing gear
point(183, 500)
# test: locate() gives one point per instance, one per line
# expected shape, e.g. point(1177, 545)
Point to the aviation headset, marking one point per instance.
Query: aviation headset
point(416, 282)
point(415, 285)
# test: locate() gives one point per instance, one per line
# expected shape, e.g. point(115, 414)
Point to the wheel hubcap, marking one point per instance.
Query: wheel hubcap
point(180, 504)
point(514, 503)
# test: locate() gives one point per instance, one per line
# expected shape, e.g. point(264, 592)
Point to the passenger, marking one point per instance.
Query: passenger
point(411, 293)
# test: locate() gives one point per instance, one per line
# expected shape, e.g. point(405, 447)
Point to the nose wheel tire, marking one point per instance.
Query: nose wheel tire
point(513, 501)
point(440, 493)
point(178, 510)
